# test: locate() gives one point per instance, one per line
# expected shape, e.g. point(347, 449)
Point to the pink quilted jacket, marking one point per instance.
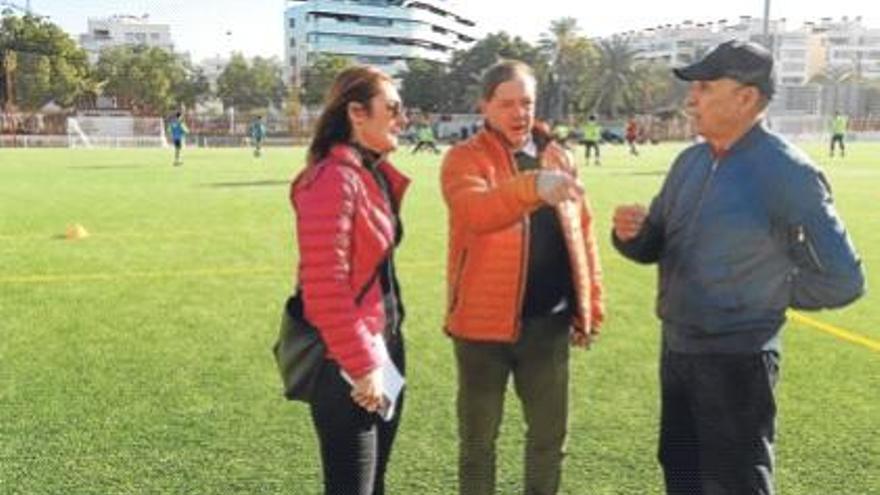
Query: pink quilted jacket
point(345, 229)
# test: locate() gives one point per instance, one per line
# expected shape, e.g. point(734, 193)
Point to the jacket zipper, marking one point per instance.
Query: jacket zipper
point(706, 184)
point(804, 239)
point(560, 214)
point(524, 260)
point(697, 210)
point(457, 285)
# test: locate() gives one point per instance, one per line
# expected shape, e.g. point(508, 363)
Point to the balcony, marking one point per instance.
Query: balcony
point(386, 12)
point(392, 51)
point(422, 32)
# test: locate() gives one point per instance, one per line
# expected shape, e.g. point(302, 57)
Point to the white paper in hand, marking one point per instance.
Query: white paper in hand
point(392, 384)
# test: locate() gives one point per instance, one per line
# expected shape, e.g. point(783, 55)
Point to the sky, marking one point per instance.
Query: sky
point(206, 28)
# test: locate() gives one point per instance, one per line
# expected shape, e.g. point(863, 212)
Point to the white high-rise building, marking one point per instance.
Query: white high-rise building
point(800, 53)
point(835, 48)
point(120, 30)
point(682, 44)
point(384, 33)
point(851, 46)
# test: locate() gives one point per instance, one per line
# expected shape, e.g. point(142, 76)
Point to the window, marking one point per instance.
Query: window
point(292, 23)
point(154, 36)
point(292, 42)
point(373, 60)
point(348, 39)
point(375, 21)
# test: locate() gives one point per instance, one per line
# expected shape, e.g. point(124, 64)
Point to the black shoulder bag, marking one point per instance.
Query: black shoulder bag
point(299, 352)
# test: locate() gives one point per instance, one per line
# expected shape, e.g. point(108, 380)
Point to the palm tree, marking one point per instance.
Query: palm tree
point(565, 49)
point(616, 75)
point(654, 88)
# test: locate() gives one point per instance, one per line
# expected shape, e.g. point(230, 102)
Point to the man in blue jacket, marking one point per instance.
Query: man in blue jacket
point(743, 228)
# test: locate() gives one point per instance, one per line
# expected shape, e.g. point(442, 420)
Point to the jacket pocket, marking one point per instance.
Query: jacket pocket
point(456, 286)
point(802, 251)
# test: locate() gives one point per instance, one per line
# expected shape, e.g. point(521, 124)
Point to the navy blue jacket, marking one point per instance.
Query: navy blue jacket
point(739, 239)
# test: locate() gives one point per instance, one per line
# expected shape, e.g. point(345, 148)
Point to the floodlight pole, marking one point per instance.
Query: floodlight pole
point(767, 24)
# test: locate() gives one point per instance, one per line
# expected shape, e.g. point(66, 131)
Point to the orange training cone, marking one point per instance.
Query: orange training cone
point(75, 232)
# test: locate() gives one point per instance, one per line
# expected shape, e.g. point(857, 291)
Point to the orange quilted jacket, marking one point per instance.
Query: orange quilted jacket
point(489, 203)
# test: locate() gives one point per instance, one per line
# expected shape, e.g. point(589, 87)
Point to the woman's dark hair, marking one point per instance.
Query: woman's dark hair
point(500, 73)
point(356, 84)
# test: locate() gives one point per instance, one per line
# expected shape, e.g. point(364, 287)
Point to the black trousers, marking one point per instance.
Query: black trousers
point(717, 425)
point(426, 144)
point(355, 444)
point(588, 145)
point(837, 139)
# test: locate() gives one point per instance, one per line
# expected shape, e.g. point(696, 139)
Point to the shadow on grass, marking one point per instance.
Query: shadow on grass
point(258, 183)
point(111, 167)
point(655, 173)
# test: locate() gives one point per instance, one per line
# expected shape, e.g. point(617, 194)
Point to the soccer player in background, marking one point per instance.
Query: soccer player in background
point(632, 135)
point(592, 137)
point(838, 132)
point(178, 131)
point(258, 133)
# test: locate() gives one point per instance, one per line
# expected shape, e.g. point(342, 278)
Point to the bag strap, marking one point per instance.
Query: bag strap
point(295, 302)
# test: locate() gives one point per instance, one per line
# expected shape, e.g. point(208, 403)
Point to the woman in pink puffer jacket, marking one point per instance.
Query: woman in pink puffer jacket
point(347, 203)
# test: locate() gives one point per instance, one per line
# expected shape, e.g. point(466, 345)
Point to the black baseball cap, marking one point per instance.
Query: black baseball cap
point(743, 61)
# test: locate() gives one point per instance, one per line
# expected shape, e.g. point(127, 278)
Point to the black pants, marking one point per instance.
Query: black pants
point(355, 444)
point(588, 145)
point(717, 423)
point(426, 144)
point(837, 139)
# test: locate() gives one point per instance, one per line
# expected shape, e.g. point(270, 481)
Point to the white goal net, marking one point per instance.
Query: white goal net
point(115, 132)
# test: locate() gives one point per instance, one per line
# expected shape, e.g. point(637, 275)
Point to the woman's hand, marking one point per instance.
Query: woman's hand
point(367, 390)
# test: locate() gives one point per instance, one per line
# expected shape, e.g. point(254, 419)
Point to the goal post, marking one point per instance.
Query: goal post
point(88, 131)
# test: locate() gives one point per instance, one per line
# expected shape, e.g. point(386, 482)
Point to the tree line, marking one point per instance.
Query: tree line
point(40, 63)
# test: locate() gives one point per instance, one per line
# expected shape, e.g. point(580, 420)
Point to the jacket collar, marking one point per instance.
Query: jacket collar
point(348, 155)
point(488, 137)
point(745, 141)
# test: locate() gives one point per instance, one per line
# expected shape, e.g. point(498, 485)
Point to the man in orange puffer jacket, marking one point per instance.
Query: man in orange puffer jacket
point(523, 280)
